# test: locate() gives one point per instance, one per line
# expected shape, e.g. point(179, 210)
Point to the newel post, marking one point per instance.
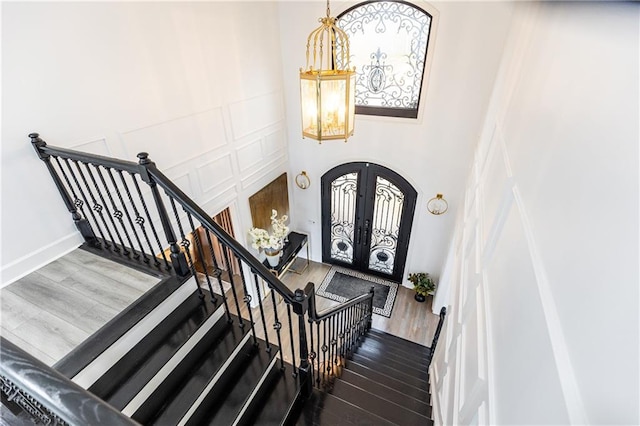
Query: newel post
point(304, 370)
point(82, 224)
point(178, 259)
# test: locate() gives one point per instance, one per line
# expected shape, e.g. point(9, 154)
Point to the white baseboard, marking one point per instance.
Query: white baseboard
point(39, 258)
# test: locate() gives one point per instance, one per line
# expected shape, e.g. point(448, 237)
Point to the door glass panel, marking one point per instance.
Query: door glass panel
point(385, 227)
point(344, 194)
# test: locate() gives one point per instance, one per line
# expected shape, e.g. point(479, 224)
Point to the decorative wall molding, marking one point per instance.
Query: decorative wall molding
point(254, 114)
point(97, 146)
point(215, 174)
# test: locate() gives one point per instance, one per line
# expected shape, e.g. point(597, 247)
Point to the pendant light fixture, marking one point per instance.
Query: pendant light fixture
point(327, 85)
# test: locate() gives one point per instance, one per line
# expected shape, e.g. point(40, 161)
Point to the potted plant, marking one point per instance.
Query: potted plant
point(423, 285)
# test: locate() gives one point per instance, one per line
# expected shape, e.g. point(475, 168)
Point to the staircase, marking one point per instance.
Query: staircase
point(385, 382)
point(196, 352)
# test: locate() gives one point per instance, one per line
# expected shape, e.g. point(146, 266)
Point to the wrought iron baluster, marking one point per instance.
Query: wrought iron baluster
point(153, 228)
point(324, 351)
point(247, 296)
point(116, 212)
point(78, 204)
point(97, 207)
point(119, 213)
point(80, 221)
point(312, 353)
point(139, 220)
point(233, 288)
point(334, 341)
point(319, 372)
point(199, 252)
point(277, 325)
point(341, 335)
point(292, 341)
point(218, 275)
point(264, 322)
point(126, 212)
point(186, 244)
point(105, 241)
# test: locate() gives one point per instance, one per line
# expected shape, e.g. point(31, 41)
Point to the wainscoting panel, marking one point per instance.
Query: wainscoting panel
point(195, 134)
point(215, 174)
point(249, 116)
point(249, 155)
point(96, 146)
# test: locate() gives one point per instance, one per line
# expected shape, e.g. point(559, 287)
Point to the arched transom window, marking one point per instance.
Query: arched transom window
point(388, 46)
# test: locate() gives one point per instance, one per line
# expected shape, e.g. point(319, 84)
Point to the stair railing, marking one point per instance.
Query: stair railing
point(338, 332)
point(28, 385)
point(134, 213)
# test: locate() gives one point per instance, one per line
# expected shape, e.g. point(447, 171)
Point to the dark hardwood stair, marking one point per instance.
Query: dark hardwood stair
point(376, 387)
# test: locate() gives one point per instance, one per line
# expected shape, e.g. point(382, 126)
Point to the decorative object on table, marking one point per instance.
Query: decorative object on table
point(302, 180)
point(437, 205)
point(272, 243)
point(342, 284)
point(423, 285)
point(327, 85)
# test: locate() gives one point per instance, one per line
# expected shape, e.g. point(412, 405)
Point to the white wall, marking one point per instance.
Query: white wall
point(432, 153)
point(197, 85)
point(543, 325)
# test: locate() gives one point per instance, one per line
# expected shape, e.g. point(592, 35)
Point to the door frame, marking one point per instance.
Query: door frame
point(366, 183)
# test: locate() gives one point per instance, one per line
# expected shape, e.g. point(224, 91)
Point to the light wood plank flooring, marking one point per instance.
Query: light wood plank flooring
point(50, 311)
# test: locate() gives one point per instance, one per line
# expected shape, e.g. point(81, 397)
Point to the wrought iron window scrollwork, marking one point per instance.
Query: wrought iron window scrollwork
point(389, 42)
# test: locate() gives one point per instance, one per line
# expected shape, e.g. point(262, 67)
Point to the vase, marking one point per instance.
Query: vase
point(273, 256)
point(420, 297)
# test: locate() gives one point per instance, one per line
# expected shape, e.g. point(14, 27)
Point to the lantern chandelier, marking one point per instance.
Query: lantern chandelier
point(327, 85)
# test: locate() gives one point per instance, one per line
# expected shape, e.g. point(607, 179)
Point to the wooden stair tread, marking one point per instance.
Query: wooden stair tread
point(275, 403)
point(131, 373)
point(393, 395)
point(176, 392)
point(214, 410)
point(381, 358)
point(418, 382)
point(376, 404)
point(323, 409)
point(389, 381)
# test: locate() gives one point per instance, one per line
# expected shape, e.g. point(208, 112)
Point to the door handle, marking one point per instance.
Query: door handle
point(366, 232)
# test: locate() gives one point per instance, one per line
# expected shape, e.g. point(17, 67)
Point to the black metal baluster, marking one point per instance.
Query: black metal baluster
point(106, 207)
point(341, 335)
point(126, 212)
point(264, 322)
point(312, 353)
point(174, 245)
point(81, 222)
point(319, 372)
point(218, 275)
point(247, 296)
point(233, 287)
point(185, 243)
point(293, 346)
point(78, 204)
point(199, 252)
point(277, 325)
point(105, 241)
point(117, 213)
point(330, 368)
point(97, 207)
point(139, 219)
point(324, 351)
point(334, 342)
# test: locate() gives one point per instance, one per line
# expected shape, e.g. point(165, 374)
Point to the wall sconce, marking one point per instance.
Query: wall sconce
point(328, 94)
point(302, 180)
point(437, 205)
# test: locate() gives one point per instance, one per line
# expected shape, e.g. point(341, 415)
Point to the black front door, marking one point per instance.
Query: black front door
point(367, 212)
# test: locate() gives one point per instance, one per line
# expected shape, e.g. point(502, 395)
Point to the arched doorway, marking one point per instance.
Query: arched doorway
point(367, 212)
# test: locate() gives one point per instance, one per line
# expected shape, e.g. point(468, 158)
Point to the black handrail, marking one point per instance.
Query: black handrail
point(310, 291)
point(173, 191)
point(45, 393)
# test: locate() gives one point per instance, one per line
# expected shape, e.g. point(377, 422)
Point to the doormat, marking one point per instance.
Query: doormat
point(342, 284)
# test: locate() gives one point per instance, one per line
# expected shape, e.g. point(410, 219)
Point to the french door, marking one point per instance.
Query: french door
point(367, 212)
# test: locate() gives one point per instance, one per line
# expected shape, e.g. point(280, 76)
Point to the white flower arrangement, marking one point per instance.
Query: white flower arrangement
point(261, 239)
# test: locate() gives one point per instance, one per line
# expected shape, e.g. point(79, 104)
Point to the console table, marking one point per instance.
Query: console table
point(296, 242)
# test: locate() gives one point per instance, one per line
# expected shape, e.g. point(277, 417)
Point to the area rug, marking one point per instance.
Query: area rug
point(342, 284)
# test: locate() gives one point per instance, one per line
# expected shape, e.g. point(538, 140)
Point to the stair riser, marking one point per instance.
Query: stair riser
point(246, 410)
point(96, 369)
